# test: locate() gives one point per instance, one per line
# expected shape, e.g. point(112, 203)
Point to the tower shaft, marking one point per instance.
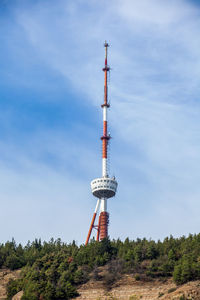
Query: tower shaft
point(104, 187)
point(105, 138)
point(104, 216)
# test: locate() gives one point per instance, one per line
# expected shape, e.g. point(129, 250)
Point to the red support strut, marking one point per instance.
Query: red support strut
point(90, 230)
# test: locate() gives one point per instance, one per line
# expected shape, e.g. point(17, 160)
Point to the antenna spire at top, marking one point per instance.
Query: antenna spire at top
point(106, 44)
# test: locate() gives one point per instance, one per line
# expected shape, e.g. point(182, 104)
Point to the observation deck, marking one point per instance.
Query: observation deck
point(104, 187)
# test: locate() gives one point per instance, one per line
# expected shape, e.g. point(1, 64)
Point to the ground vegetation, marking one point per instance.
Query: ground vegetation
point(54, 270)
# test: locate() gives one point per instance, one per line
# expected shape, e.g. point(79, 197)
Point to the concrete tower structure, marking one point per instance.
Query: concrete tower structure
point(103, 187)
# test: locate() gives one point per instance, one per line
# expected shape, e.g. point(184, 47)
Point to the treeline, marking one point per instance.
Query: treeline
point(54, 270)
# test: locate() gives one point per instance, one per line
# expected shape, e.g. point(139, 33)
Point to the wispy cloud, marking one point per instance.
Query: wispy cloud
point(44, 184)
point(154, 90)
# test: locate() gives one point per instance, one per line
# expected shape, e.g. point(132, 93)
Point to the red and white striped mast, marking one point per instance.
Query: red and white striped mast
point(105, 138)
point(103, 187)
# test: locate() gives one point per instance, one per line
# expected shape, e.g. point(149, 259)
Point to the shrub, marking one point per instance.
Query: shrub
point(160, 294)
point(137, 277)
point(13, 287)
point(171, 290)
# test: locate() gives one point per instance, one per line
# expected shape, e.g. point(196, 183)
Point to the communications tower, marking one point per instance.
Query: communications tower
point(103, 187)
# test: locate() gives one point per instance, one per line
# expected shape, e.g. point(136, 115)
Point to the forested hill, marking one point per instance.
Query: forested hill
point(54, 270)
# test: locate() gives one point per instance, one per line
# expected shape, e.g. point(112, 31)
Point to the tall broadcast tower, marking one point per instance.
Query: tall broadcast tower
point(103, 187)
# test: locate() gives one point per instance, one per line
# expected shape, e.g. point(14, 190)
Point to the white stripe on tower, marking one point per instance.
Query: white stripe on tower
point(104, 167)
point(104, 156)
point(103, 205)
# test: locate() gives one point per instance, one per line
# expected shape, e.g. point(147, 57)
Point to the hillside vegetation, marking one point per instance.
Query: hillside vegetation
point(54, 270)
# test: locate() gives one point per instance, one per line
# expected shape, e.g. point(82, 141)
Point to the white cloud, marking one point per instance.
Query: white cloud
point(156, 12)
point(154, 91)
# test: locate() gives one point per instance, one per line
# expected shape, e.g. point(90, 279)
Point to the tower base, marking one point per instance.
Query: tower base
point(103, 226)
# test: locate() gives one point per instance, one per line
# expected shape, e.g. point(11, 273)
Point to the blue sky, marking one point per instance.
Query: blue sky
point(51, 88)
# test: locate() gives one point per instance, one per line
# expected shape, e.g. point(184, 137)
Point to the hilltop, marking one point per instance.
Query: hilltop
point(55, 270)
point(127, 288)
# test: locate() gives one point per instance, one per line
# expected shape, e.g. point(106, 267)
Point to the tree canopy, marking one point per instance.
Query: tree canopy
point(54, 270)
